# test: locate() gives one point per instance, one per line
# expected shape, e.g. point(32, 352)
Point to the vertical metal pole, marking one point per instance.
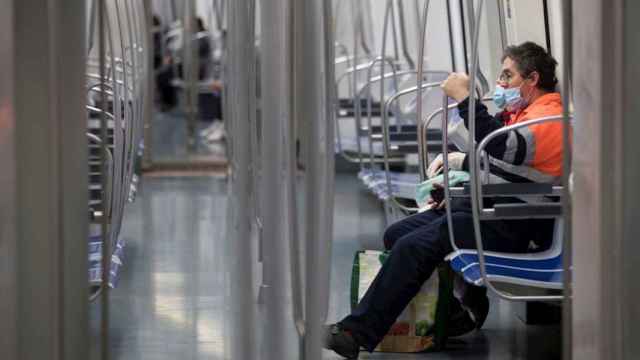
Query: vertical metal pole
point(328, 161)
point(385, 129)
point(456, 25)
point(91, 25)
point(43, 151)
point(275, 119)
point(364, 42)
point(358, 33)
point(294, 135)
point(147, 157)
point(174, 10)
point(118, 95)
point(394, 33)
point(422, 35)
point(9, 277)
point(403, 36)
point(241, 93)
point(128, 118)
point(104, 180)
point(316, 41)
point(369, 35)
point(474, 181)
point(254, 123)
point(190, 71)
point(452, 48)
point(502, 17)
point(567, 37)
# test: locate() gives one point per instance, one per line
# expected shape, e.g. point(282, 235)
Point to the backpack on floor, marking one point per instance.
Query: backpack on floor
point(422, 326)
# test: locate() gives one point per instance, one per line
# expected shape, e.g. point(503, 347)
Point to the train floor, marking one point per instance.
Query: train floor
point(168, 141)
point(172, 300)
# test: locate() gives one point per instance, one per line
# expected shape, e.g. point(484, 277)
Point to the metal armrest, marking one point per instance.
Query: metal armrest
point(526, 211)
point(480, 153)
point(515, 189)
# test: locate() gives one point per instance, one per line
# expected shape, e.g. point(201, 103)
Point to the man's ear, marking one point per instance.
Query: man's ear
point(534, 77)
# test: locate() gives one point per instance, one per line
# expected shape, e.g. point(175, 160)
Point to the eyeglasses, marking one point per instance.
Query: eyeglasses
point(505, 77)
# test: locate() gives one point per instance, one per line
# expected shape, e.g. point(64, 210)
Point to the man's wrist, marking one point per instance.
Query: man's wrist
point(461, 96)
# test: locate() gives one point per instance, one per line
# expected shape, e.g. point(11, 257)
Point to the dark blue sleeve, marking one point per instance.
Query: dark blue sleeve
point(486, 124)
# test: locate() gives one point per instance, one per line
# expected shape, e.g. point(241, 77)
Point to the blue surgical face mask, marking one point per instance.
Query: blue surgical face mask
point(499, 97)
point(510, 97)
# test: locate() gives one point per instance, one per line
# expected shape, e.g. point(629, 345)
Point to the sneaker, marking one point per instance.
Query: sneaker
point(341, 342)
point(215, 126)
point(216, 134)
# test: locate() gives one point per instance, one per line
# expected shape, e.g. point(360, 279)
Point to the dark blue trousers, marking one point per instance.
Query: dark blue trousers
point(419, 243)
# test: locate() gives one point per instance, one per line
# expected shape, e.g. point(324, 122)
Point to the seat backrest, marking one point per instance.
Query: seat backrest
point(558, 237)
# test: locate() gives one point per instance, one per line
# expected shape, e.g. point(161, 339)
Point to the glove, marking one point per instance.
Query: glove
point(434, 168)
point(456, 159)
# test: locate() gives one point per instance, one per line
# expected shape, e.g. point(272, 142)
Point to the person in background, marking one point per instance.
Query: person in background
point(165, 69)
point(216, 131)
point(162, 65)
point(203, 39)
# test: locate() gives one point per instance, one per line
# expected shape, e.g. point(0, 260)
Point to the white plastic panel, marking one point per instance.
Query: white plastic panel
point(525, 21)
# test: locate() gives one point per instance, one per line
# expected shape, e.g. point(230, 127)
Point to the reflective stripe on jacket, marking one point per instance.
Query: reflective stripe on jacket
point(529, 154)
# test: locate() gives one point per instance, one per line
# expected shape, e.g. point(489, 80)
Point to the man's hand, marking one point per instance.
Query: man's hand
point(435, 167)
point(456, 86)
point(456, 159)
point(437, 205)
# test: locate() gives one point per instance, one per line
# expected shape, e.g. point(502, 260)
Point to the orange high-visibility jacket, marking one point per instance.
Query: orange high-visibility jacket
point(528, 154)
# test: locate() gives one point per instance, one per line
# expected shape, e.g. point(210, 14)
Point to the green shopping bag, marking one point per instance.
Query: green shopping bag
point(422, 326)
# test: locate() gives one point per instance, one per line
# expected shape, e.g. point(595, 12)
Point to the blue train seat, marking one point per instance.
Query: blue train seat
point(541, 270)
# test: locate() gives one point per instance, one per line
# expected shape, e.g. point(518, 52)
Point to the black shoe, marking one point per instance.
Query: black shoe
point(341, 342)
point(470, 315)
point(475, 300)
point(460, 324)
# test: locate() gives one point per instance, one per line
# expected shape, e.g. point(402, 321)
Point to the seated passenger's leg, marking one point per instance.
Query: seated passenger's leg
point(407, 225)
point(168, 96)
point(217, 106)
point(412, 261)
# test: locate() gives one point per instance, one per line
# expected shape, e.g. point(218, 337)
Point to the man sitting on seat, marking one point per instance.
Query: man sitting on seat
point(525, 90)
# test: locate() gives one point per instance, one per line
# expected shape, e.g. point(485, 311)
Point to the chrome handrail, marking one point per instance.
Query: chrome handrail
point(386, 140)
point(357, 105)
point(423, 127)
